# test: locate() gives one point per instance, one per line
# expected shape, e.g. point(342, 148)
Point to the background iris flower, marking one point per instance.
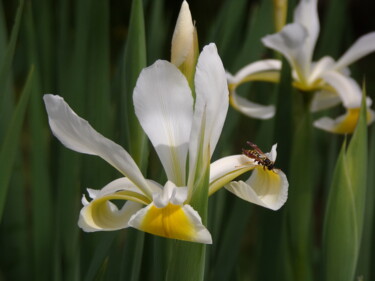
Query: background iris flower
point(330, 80)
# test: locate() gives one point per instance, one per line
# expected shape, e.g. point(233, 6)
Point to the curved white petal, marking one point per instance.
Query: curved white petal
point(77, 134)
point(102, 215)
point(226, 169)
point(105, 216)
point(265, 188)
point(290, 42)
point(251, 109)
point(321, 66)
point(346, 87)
point(255, 67)
point(362, 47)
point(211, 104)
point(180, 222)
point(344, 124)
point(164, 107)
point(273, 153)
point(306, 14)
point(323, 100)
point(182, 40)
point(122, 184)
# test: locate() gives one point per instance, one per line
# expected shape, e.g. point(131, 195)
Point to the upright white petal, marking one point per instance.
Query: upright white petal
point(164, 106)
point(324, 64)
point(306, 14)
point(362, 47)
point(211, 102)
point(290, 42)
point(77, 134)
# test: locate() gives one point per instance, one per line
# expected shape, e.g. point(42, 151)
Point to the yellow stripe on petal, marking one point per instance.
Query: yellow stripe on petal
point(180, 222)
point(267, 188)
point(344, 124)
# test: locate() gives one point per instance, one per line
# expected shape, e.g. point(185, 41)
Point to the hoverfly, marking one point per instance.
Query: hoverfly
point(259, 156)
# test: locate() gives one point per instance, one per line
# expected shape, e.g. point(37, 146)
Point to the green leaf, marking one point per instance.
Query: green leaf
point(345, 207)
point(10, 146)
point(6, 94)
point(134, 61)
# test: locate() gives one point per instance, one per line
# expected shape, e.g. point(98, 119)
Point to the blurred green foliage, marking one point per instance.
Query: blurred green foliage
point(80, 51)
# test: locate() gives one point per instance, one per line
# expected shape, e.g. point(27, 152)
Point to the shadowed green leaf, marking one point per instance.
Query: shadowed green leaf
point(345, 207)
point(10, 146)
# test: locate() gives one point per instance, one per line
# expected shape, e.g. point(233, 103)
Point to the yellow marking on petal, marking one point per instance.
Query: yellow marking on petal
point(223, 180)
point(170, 222)
point(99, 213)
point(267, 76)
point(349, 122)
point(266, 182)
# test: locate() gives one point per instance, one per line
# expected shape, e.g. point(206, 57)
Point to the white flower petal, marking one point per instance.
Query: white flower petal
point(306, 14)
point(102, 215)
point(77, 134)
point(344, 124)
point(323, 100)
point(346, 87)
point(182, 40)
point(105, 216)
point(290, 42)
point(255, 67)
point(273, 153)
point(211, 103)
point(226, 169)
point(164, 106)
point(318, 68)
point(251, 109)
point(362, 47)
point(265, 188)
point(173, 221)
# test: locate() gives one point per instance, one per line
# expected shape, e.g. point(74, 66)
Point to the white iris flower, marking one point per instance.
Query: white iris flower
point(328, 78)
point(179, 128)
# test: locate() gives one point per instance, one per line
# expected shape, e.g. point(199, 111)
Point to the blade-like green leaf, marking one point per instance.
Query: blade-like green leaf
point(6, 58)
point(9, 147)
point(345, 207)
point(134, 61)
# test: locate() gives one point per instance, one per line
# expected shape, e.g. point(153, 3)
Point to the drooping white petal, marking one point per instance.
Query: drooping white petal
point(362, 47)
point(164, 107)
point(306, 14)
point(344, 124)
point(346, 87)
point(251, 109)
point(290, 42)
point(226, 169)
point(323, 100)
point(102, 215)
point(182, 40)
point(105, 216)
point(211, 104)
point(265, 188)
point(77, 134)
point(180, 222)
point(253, 68)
